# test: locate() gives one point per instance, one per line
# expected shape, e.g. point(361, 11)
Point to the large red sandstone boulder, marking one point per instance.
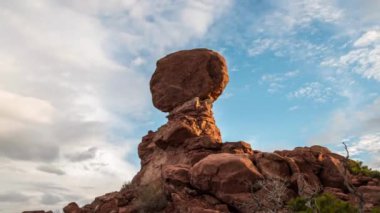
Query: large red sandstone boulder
point(225, 175)
point(272, 166)
point(332, 172)
point(186, 74)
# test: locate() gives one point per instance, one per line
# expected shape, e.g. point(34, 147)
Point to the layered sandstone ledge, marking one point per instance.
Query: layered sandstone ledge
point(186, 160)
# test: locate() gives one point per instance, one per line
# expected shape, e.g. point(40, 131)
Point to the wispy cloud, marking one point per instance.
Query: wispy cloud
point(13, 197)
point(314, 91)
point(51, 169)
point(368, 38)
point(363, 57)
point(83, 155)
point(287, 16)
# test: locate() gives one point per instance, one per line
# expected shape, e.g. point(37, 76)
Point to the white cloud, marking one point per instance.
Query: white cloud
point(260, 45)
point(276, 30)
point(288, 47)
point(13, 107)
point(366, 143)
point(71, 73)
point(363, 58)
point(368, 38)
point(286, 16)
point(314, 91)
point(369, 145)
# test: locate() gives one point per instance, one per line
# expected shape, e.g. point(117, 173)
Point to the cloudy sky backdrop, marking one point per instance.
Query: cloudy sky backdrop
point(74, 93)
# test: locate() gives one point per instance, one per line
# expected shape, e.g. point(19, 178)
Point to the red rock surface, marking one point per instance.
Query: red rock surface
point(184, 75)
point(196, 172)
point(225, 176)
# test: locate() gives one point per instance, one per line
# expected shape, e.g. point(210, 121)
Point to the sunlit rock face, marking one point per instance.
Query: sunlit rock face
point(186, 168)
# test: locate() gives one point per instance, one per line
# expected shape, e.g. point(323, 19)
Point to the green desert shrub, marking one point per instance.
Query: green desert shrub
point(357, 168)
point(323, 203)
point(375, 210)
point(298, 204)
point(150, 198)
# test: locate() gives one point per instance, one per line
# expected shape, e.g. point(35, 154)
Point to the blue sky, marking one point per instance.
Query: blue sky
point(74, 84)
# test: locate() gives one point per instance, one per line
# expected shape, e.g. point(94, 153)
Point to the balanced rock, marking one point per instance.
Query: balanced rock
point(185, 166)
point(184, 75)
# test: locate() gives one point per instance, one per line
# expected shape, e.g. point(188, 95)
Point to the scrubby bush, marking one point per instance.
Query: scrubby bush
point(357, 168)
point(150, 198)
point(271, 198)
point(375, 210)
point(322, 203)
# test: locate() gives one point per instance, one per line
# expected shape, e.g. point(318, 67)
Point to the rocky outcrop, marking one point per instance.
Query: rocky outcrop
point(186, 168)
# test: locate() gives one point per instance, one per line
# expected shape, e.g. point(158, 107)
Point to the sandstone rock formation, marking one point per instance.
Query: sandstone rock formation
point(185, 167)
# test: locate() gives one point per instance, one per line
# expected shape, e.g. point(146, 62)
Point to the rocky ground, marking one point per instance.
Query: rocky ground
point(185, 166)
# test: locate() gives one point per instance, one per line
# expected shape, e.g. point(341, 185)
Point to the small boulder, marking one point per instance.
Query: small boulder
point(273, 166)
